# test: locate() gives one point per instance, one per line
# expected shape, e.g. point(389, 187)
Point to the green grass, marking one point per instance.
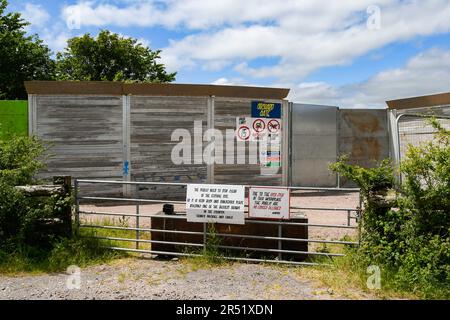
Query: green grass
point(115, 233)
point(348, 277)
point(208, 257)
point(82, 250)
point(65, 252)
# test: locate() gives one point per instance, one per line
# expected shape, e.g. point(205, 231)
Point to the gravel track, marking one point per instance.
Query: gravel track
point(130, 279)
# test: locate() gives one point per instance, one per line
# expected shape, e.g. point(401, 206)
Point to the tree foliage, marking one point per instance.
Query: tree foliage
point(110, 57)
point(107, 57)
point(23, 57)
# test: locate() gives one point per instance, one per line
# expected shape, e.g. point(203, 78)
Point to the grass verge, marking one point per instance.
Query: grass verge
point(82, 250)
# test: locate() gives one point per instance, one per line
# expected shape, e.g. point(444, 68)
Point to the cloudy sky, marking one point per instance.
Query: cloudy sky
point(349, 53)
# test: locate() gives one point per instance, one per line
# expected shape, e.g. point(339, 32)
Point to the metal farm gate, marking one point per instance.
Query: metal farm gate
point(139, 225)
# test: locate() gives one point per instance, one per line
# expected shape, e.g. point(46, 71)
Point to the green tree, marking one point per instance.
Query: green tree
point(110, 57)
point(22, 57)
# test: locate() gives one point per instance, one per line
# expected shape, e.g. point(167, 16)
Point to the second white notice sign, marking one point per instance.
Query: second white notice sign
point(269, 203)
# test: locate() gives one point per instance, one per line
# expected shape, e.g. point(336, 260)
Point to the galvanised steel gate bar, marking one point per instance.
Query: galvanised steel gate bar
point(139, 229)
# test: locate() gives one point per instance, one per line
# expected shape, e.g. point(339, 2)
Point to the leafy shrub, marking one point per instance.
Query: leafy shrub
point(24, 220)
point(426, 191)
point(20, 160)
point(27, 241)
point(19, 163)
point(410, 235)
point(369, 180)
point(12, 210)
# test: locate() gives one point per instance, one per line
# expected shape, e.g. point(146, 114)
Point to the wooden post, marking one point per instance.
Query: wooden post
point(66, 183)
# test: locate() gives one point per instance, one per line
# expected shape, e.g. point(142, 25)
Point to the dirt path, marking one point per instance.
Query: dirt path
point(154, 279)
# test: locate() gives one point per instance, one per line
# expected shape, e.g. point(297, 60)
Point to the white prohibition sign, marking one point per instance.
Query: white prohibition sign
point(259, 125)
point(273, 126)
point(244, 133)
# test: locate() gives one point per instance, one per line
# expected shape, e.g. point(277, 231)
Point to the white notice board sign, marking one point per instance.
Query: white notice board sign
point(269, 203)
point(215, 203)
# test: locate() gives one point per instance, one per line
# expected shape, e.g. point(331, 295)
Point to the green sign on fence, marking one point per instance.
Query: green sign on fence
point(13, 118)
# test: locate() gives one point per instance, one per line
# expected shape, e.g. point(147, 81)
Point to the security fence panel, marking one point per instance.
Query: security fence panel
point(240, 163)
point(153, 122)
point(84, 136)
point(415, 129)
point(313, 145)
point(363, 137)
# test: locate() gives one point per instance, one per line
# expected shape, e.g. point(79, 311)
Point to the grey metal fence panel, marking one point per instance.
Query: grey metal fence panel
point(226, 110)
point(153, 120)
point(84, 134)
point(363, 136)
point(313, 145)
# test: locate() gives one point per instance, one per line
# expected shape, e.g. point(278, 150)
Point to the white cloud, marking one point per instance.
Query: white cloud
point(234, 82)
point(222, 82)
point(299, 53)
point(424, 74)
point(35, 14)
point(53, 34)
point(302, 36)
point(55, 38)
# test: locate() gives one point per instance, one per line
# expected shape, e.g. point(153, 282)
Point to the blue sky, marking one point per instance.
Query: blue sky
point(350, 53)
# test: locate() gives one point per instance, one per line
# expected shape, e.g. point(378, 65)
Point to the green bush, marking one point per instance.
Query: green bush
point(20, 160)
point(12, 211)
point(369, 180)
point(19, 163)
point(410, 235)
point(22, 218)
point(27, 241)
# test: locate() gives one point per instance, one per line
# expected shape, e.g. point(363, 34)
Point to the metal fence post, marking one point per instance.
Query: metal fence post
point(280, 244)
point(348, 217)
point(360, 213)
point(138, 235)
point(204, 235)
point(77, 207)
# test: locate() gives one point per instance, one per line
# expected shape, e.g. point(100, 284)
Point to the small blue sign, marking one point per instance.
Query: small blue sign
point(261, 109)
